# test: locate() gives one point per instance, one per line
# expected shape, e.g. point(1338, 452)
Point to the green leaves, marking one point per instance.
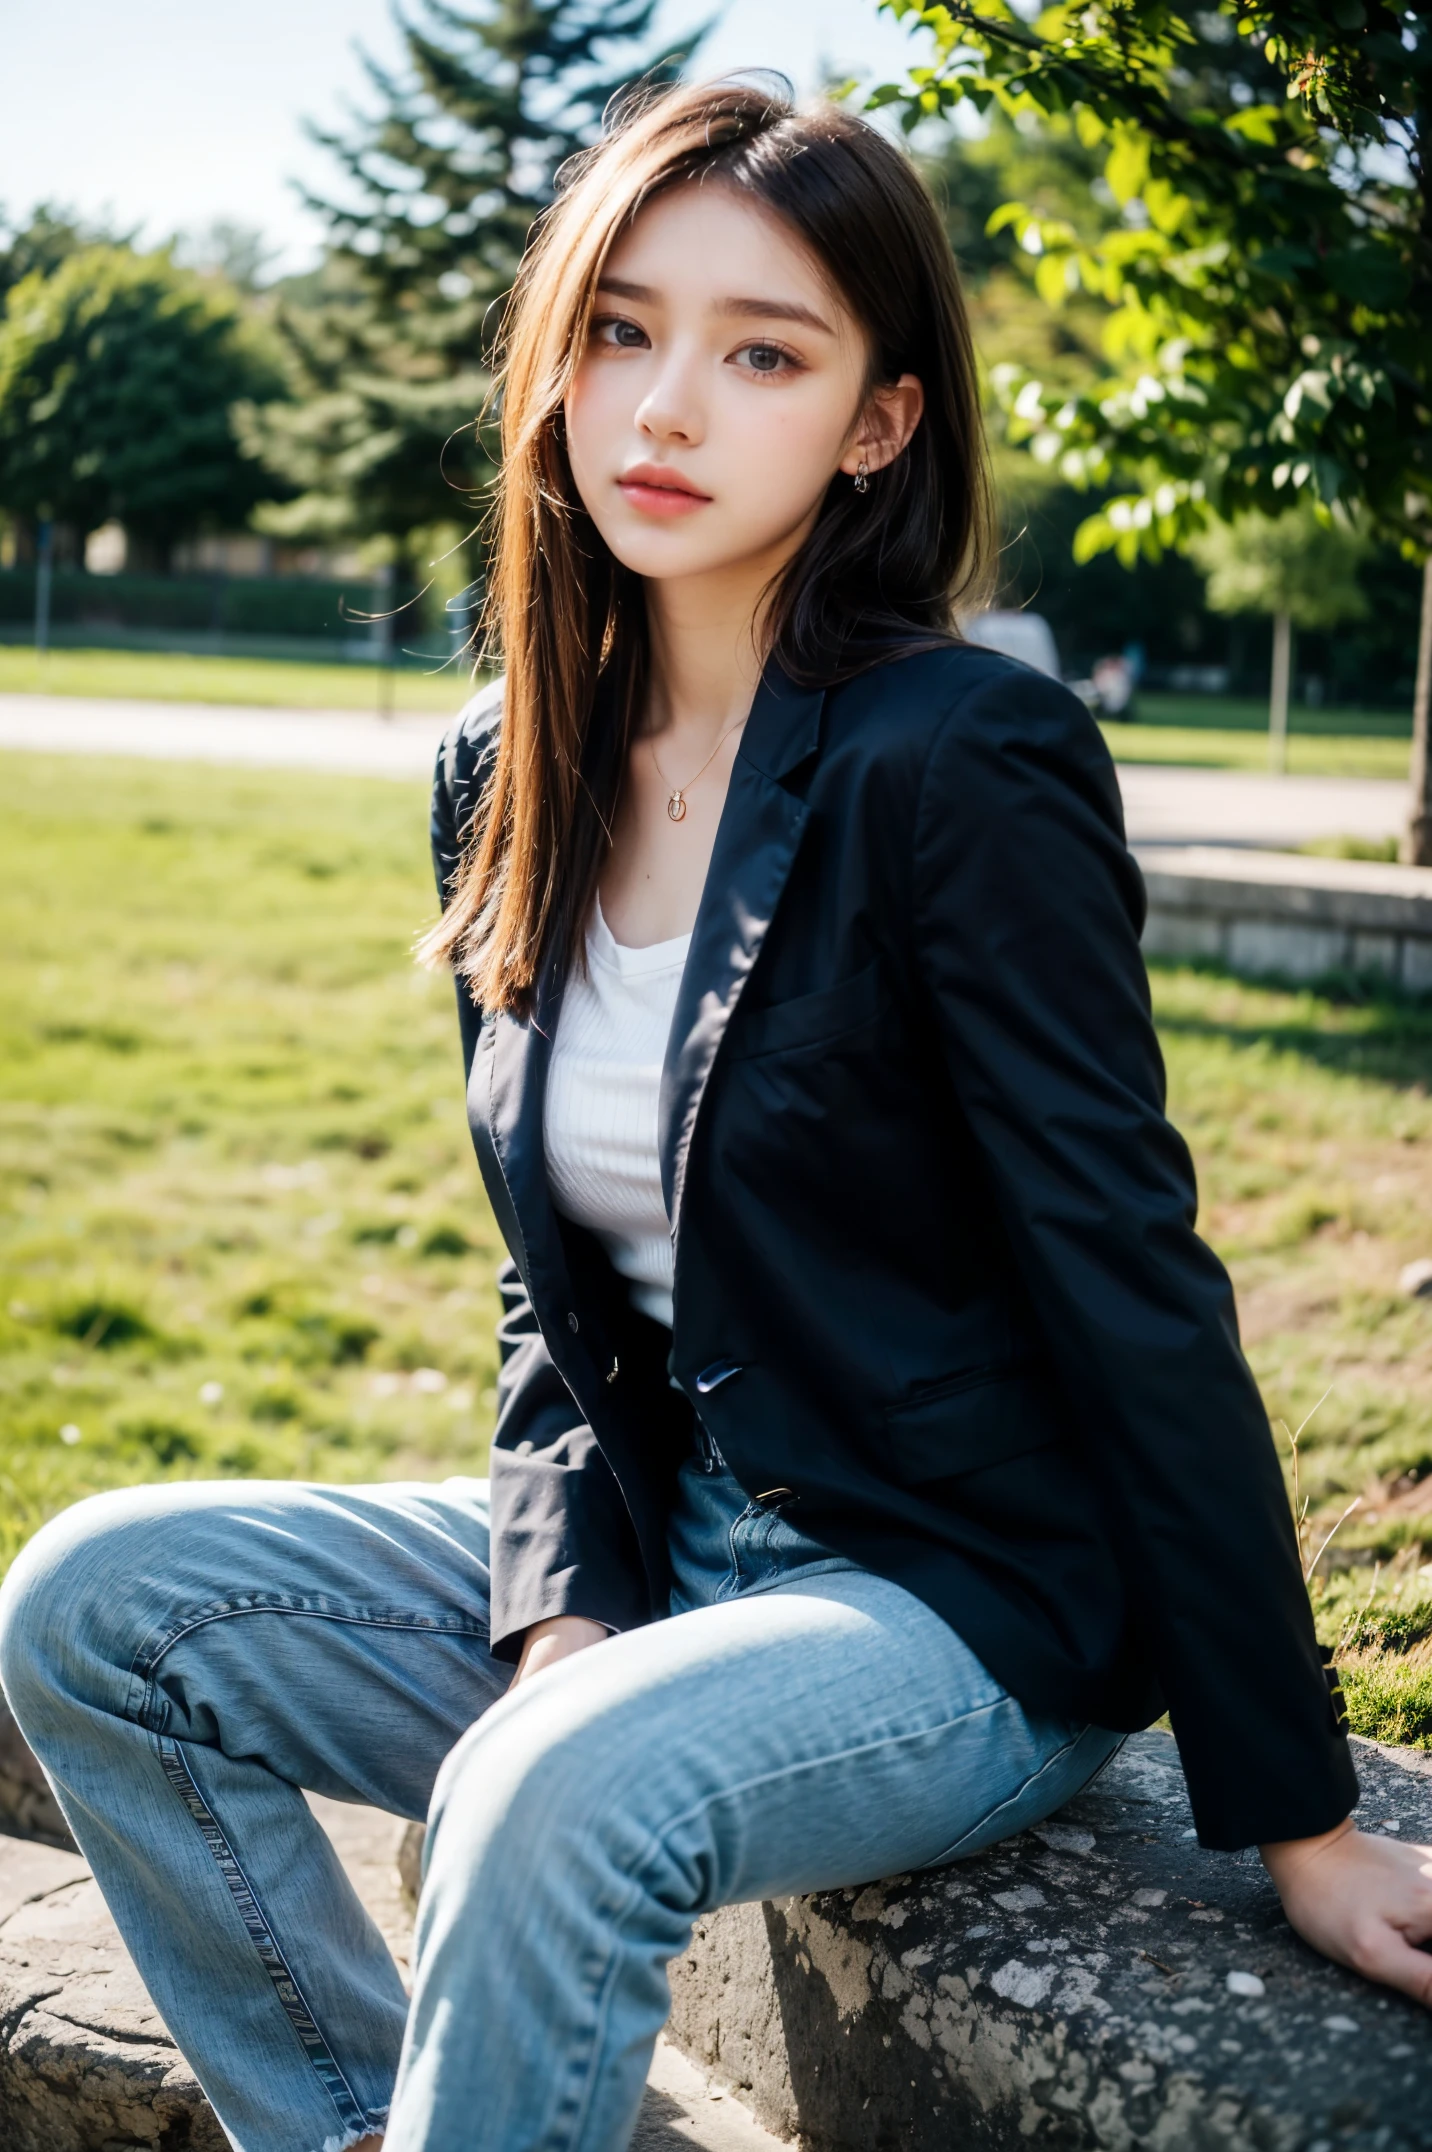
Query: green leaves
point(1303, 564)
point(1267, 270)
point(1373, 275)
point(118, 372)
point(1127, 169)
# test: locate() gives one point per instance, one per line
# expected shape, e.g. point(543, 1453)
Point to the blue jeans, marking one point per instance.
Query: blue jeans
point(185, 1658)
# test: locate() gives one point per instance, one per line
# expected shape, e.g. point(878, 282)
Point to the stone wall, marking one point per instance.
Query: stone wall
point(1280, 914)
point(1099, 1981)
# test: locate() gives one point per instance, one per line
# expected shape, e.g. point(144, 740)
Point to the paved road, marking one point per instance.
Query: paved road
point(352, 740)
point(1162, 805)
point(1244, 807)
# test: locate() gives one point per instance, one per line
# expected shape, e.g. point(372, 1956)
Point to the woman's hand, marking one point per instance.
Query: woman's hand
point(1365, 1901)
point(548, 1641)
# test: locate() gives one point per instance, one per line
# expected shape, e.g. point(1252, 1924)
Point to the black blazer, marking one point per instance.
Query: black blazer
point(936, 1268)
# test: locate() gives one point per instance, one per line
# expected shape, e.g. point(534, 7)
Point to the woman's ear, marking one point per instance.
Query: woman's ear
point(885, 426)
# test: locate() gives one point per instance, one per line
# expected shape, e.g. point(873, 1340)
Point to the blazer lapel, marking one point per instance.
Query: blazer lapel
point(512, 1116)
point(756, 842)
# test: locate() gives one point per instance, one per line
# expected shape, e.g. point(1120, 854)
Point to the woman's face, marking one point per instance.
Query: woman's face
point(720, 390)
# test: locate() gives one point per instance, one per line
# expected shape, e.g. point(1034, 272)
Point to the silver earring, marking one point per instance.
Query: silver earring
point(862, 477)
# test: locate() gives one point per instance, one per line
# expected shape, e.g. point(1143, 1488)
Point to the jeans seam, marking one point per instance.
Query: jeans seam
point(146, 1659)
point(798, 1575)
point(730, 1585)
point(566, 2133)
point(951, 1852)
point(259, 1929)
point(821, 1763)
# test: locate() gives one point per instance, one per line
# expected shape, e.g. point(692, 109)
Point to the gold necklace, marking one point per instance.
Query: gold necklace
point(676, 805)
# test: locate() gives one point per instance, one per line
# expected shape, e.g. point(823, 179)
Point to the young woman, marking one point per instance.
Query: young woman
point(874, 1445)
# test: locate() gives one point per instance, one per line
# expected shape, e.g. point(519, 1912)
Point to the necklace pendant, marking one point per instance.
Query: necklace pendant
point(676, 807)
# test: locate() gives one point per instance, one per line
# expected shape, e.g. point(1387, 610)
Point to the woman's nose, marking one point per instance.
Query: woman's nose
point(671, 409)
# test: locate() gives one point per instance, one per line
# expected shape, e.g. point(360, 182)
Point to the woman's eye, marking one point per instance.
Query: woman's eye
point(614, 332)
point(766, 358)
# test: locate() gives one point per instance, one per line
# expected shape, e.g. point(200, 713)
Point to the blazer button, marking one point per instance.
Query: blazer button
point(572, 1324)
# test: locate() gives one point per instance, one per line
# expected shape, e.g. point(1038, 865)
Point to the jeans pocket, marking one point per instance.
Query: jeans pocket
point(767, 1546)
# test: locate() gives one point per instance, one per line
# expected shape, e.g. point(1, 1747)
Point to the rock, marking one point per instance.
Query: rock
point(28, 1809)
point(1098, 1981)
point(1415, 1279)
point(85, 2063)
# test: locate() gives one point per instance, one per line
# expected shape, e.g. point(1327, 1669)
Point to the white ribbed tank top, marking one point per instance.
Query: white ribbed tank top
point(600, 1113)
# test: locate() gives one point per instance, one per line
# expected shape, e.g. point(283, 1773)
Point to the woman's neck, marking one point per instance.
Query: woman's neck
point(704, 656)
point(704, 674)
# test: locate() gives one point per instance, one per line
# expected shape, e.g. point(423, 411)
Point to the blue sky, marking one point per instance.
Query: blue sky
point(172, 113)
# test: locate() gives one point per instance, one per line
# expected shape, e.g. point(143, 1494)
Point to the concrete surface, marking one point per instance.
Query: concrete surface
point(1162, 805)
point(1097, 1981)
point(1278, 914)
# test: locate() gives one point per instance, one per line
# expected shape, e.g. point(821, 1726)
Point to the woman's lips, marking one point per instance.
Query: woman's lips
point(654, 499)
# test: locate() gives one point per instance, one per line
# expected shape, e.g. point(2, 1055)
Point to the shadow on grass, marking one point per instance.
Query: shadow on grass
point(1348, 1025)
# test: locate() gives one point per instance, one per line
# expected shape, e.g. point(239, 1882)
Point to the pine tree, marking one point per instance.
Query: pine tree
point(442, 182)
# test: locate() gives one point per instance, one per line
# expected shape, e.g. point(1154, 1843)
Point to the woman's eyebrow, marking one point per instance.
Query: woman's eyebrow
point(746, 309)
point(776, 310)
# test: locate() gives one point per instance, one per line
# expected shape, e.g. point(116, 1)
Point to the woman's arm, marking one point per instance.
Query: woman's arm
point(1027, 911)
point(548, 1641)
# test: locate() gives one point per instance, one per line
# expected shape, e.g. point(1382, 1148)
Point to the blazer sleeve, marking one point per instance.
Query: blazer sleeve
point(1028, 909)
point(562, 1538)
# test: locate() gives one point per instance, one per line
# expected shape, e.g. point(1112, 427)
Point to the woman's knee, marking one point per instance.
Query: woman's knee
point(535, 1787)
point(68, 1604)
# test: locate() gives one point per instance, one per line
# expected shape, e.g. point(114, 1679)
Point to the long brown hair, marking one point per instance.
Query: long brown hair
point(880, 573)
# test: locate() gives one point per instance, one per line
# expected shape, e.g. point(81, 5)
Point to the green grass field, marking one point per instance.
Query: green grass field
point(242, 1230)
point(166, 676)
point(1207, 747)
point(1231, 733)
point(1234, 713)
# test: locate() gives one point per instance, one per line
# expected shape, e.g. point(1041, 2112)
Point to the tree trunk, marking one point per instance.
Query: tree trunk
point(44, 572)
point(1417, 840)
point(1278, 696)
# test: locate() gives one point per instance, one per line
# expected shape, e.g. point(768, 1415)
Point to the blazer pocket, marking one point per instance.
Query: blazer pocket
point(983, 1416)
point(809, 1019)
